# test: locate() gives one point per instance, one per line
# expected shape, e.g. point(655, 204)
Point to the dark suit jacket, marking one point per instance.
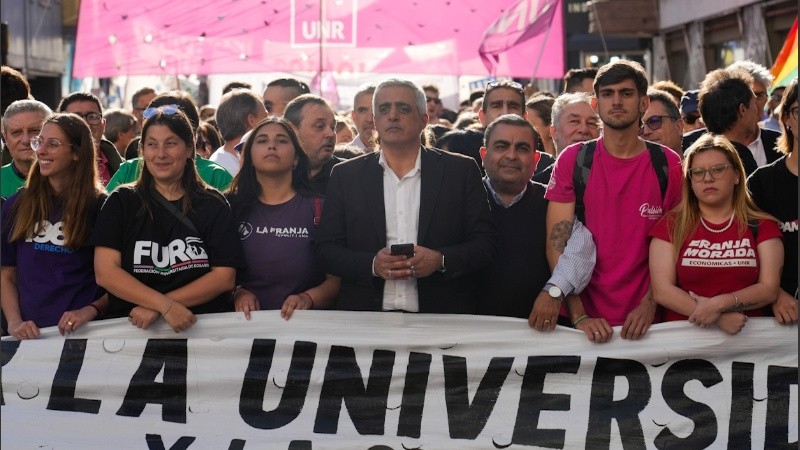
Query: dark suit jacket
point(770, 140)
point(768, 137)
point(454, 219)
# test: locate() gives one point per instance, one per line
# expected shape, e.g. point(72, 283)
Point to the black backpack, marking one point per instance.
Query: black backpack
point(583, 165)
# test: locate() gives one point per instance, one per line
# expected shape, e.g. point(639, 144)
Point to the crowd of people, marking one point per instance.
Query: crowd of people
point(614, 203)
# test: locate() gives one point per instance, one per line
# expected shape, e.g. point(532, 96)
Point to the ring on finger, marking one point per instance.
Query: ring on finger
point(390, 273)
point(596, 332)
point(70, 323)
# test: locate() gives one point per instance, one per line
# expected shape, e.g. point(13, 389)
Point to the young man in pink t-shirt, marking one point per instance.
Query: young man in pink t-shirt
point(622, 202)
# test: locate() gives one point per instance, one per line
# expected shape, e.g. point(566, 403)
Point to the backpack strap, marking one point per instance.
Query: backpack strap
point(583, 165)
point(660, 165)
point(580, 176)
point(317, 201)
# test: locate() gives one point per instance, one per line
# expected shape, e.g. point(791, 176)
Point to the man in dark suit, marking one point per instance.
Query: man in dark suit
point(406, 193)
point(728, 100)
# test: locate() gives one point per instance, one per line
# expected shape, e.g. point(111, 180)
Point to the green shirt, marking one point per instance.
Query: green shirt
point(10, 182)
point(212, 173)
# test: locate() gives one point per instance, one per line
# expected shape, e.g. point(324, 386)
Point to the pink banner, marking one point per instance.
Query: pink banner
point(136, 37)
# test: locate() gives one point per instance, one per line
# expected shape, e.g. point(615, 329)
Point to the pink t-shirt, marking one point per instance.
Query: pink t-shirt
point(727, 258)
point(622, 204)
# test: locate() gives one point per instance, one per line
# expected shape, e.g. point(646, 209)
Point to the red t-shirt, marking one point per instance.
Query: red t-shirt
point(711, 264)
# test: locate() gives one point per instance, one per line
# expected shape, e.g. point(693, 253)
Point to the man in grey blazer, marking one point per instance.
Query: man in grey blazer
point(406, 194)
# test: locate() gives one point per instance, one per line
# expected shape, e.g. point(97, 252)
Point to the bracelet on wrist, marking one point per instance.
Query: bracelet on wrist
point(307, 295)
point(736, 301)
point(169, 307)
point(579, 320)
point(99, 313)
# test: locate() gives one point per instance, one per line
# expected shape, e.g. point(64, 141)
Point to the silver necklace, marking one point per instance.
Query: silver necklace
point(725, 228)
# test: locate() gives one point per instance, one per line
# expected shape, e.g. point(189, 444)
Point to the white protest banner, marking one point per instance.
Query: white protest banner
point(328, 379)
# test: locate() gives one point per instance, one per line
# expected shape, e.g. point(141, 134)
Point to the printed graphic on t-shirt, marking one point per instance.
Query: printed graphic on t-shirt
point(653, 212)
point(789, 227)
point(178, 255)
point(730, 253)
point(245, 230)
point(50, 238)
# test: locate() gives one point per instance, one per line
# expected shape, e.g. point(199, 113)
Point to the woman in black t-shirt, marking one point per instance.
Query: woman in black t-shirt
point(166, 245)
point(774, 189)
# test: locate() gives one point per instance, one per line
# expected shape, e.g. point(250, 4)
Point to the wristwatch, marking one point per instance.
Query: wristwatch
point(554, 291)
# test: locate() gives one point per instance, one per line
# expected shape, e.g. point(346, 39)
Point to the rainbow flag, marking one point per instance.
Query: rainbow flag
point(785, 68)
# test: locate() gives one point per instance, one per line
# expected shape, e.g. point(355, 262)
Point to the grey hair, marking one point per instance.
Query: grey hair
point(666, 100)
point(564, 100)
point(364, 89)
point(233, 110)
point(757, 71)
point(118, 121)
point(23, 106)
point(419, 94)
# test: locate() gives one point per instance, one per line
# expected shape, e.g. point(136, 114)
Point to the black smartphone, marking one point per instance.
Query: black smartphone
point(403, 249)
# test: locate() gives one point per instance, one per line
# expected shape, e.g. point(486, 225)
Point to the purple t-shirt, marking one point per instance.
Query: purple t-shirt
point(278, 243)
point(623, 202)
point(51, 278)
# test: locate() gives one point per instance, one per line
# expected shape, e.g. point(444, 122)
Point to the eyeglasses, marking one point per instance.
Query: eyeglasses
point(438, 101)
point(91, 118)
point(699, 174)
point(51, 145)
point(654, 123)
point(168, 110)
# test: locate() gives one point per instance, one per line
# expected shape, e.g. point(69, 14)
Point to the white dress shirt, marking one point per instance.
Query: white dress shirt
point(757, 149)
point(401, 206)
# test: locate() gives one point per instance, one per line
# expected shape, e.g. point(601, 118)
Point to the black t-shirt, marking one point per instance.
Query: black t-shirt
point(162, 252)
point(774, 190)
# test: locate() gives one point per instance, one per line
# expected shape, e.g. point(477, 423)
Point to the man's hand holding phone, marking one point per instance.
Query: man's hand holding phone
point(406, 261)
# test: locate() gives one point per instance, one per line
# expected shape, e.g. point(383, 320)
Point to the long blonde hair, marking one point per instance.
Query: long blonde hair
point(687, 213)
point(36, 201)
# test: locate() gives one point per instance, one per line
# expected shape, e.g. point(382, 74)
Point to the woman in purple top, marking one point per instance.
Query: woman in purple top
point(278, 213)
point(47, 261)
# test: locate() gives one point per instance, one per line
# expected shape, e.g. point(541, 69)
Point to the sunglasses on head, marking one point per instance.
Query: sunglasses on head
point(168, 110)
point(504, 83)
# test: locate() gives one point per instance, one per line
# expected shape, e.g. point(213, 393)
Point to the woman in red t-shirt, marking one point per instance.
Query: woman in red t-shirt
point(715, 258)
